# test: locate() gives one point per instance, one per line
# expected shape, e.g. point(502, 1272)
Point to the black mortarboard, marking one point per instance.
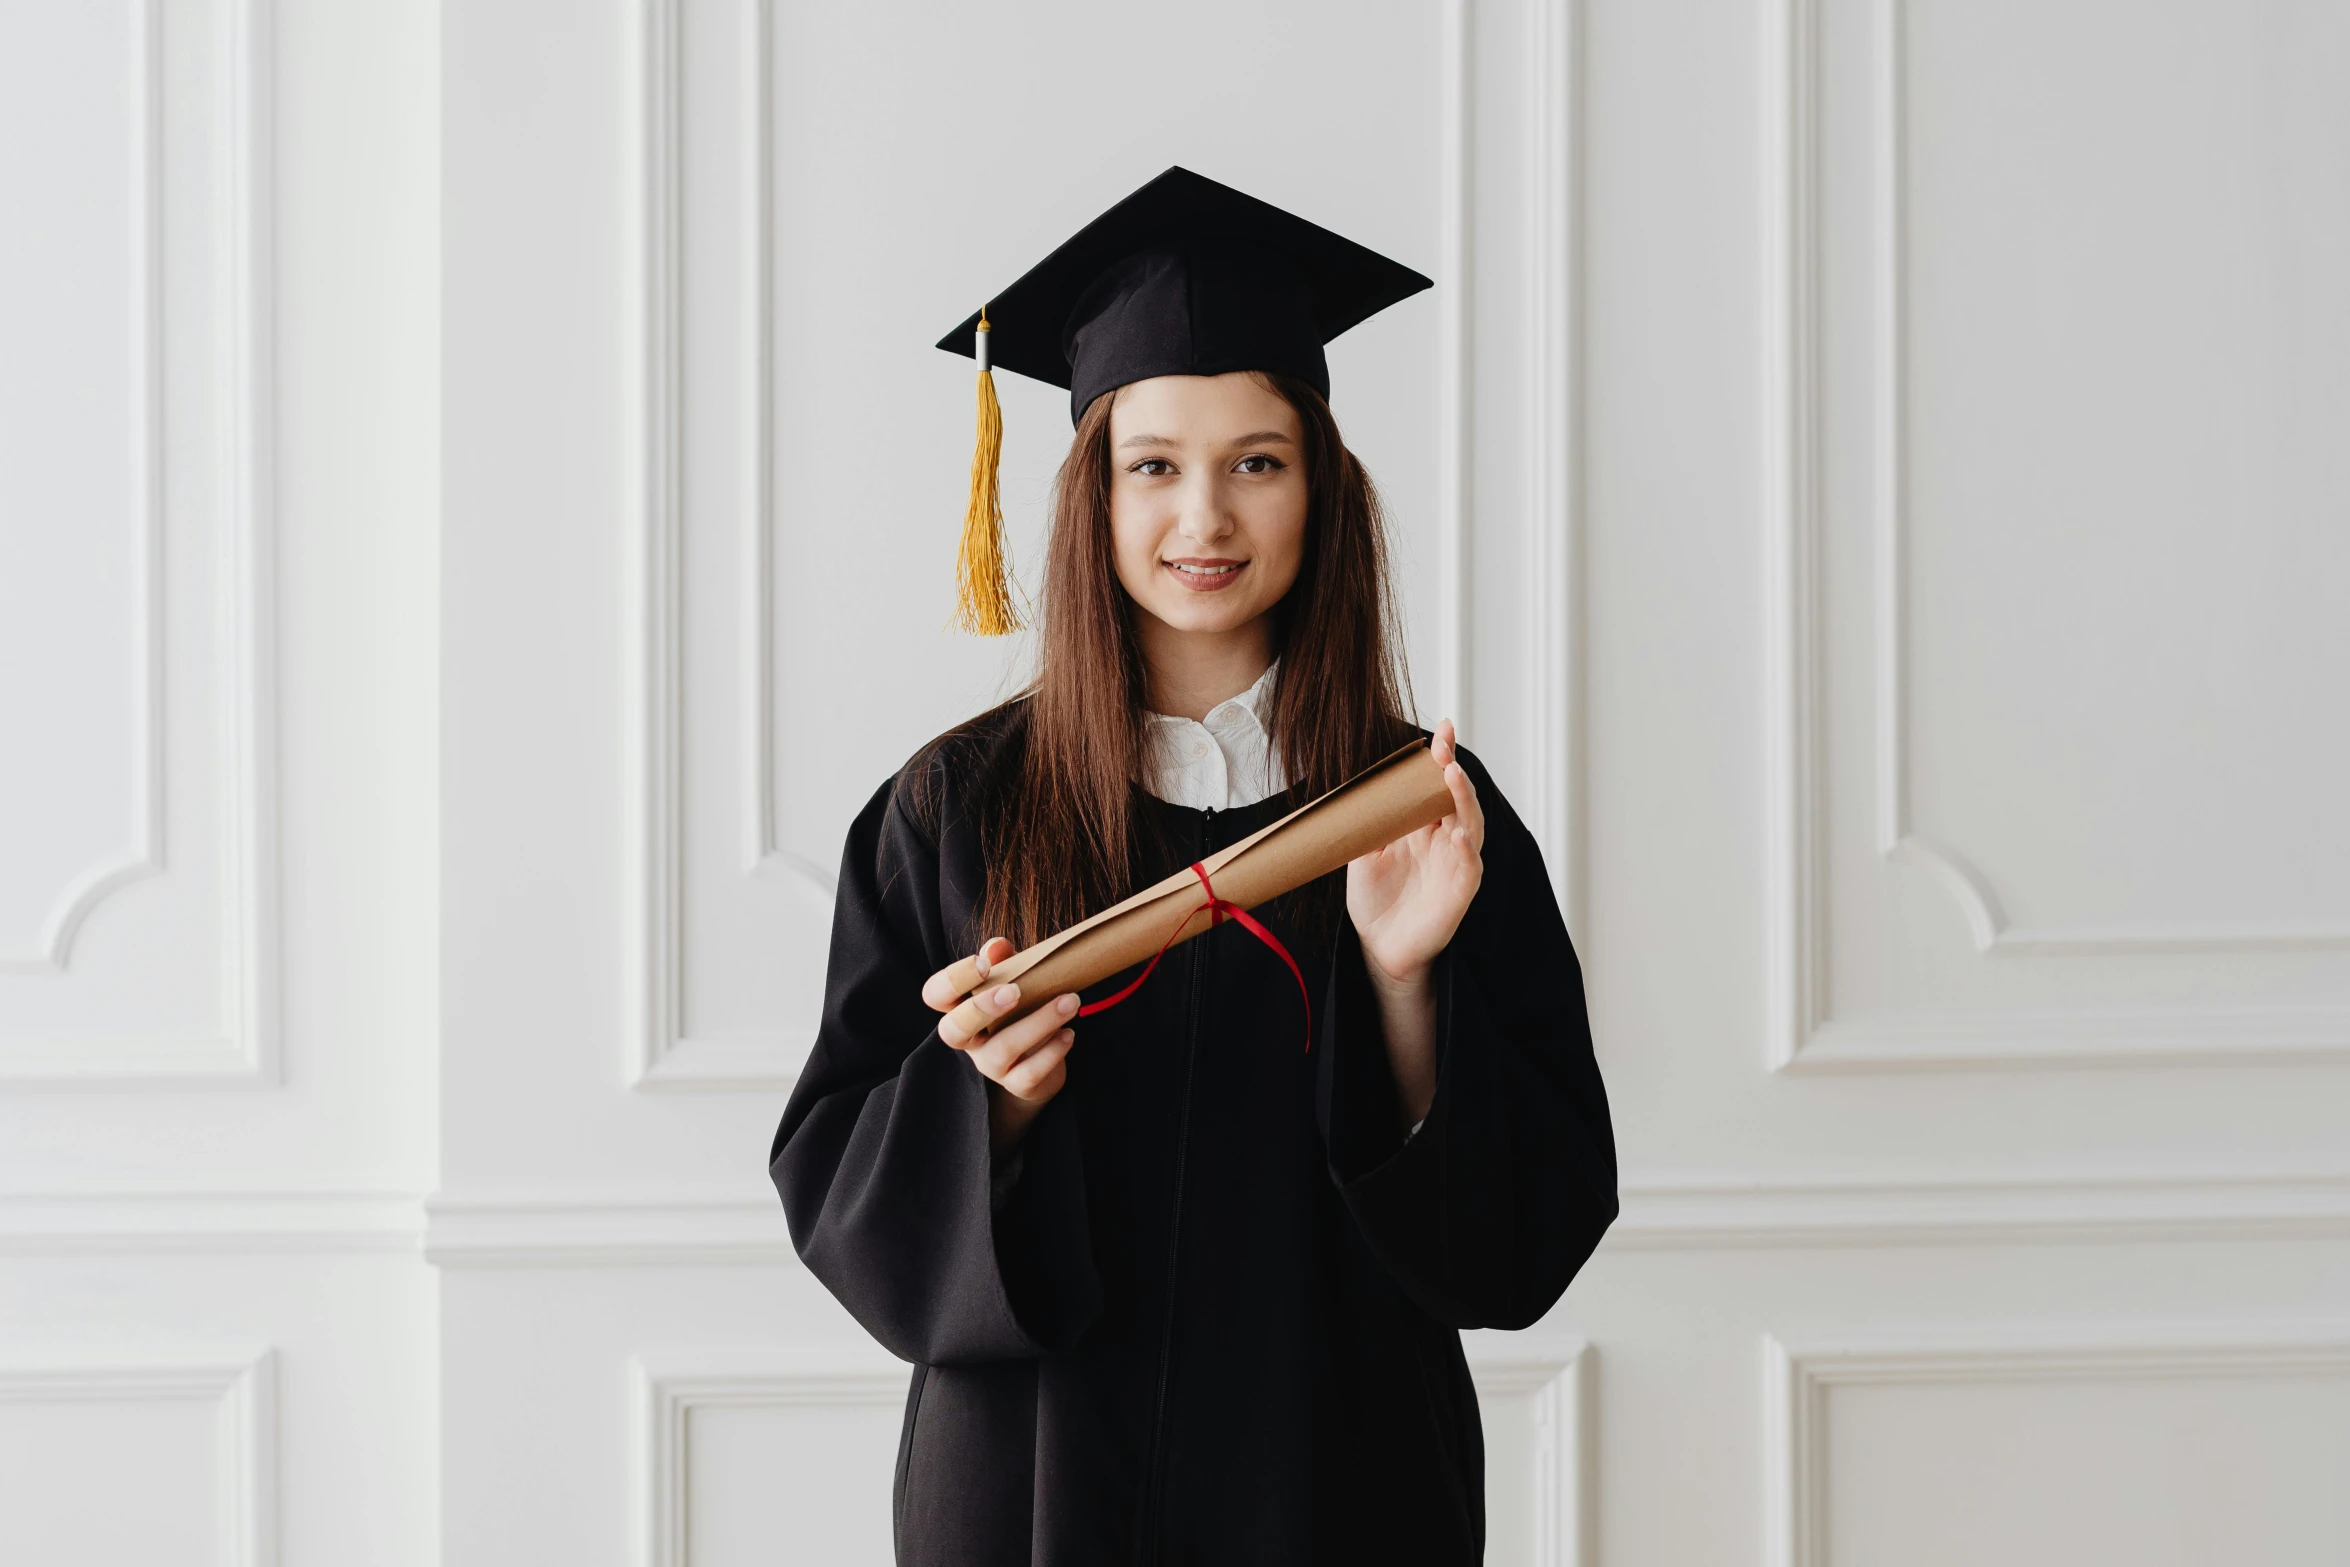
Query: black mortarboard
point(1184, 277)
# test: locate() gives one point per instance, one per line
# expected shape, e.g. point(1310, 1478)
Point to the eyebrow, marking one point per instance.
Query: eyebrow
point(1254, 438)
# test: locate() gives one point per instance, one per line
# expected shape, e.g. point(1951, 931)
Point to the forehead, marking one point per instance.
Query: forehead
point(1200, 407)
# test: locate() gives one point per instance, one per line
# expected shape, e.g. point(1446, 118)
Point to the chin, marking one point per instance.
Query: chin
point(1188, 614)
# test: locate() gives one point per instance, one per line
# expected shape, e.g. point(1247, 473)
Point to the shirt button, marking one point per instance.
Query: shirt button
point(1199, 748)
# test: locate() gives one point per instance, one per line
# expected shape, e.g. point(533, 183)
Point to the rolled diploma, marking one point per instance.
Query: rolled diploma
point(1401, 793)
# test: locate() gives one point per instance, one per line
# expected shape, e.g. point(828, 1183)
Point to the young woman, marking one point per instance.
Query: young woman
point(1179, 1283)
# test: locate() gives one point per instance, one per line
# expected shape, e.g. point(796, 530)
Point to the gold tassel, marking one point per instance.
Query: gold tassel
point(983, 603)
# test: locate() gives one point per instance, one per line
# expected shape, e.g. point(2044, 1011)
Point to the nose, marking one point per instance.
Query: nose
point(1203, 518)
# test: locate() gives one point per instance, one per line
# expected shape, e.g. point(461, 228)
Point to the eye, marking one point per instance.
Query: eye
point(1152, 467)
point(1259, 462)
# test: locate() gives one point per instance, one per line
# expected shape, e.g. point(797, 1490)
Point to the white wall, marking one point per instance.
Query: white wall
point(218, 1010)
point(477, 517)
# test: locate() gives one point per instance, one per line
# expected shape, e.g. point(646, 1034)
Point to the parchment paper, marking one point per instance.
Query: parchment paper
point(1401, 793)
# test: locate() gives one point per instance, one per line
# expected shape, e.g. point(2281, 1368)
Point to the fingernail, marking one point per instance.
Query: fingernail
point(1068, 1036)
point(1005, 995)
point(984, 966)
point(1067, 1004)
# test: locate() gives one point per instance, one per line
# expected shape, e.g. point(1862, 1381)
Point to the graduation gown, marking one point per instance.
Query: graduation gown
point(1215, 1318)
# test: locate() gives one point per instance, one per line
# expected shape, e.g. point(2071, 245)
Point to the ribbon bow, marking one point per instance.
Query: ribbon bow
point(1218, 909)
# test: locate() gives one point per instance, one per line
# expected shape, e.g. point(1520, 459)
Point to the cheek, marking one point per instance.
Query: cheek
point(1279, 527)
point(1134, 538)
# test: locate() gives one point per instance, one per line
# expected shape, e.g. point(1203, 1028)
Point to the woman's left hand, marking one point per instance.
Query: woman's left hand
point(1407, 899)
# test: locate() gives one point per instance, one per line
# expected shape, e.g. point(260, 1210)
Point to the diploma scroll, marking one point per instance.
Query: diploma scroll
point(1401, 793)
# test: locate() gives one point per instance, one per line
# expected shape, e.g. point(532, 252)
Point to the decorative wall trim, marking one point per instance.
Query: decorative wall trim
point(53, 948)
point(1554, 525)
point(1456, 355)
point(245, 1049)
point(245, 277)
point(739, 1226)
point(732, 1227)
point(2250, 1035)
point(650, 785)
point(767, 851)
point(1790, 453)
point(1558, 1373)
point(768, 856)
point(660, 1053)
point(1800, 1035)
point(666, 1387)
point(1798, 1378)
point(170, 1223)
point(1898, 839)
point(1661, 1212)
point(1698, 1214)
point(242, 1383)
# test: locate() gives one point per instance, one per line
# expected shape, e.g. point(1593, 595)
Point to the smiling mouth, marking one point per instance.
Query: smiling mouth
point(1205, 576)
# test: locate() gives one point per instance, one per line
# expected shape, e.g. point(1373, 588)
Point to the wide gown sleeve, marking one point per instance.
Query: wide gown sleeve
point(882, 1156)
point(1486, 1212)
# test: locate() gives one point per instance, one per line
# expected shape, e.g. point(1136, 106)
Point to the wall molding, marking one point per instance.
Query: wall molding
point(1799, 1376)
point(1554, 710)
point(1664, 1211)
point(730, 1226)
point(744, 1225)
point(654, 729)
point(1558, 1374)
point(1795, 873)
point(52, 951)
point(245, 1050)
point(1456, 347)
point(2253, 1034)
point(241, 1383)
point(767, 855)
point(1699, 1213)
point(1800, 1035)
point(1898, 839)
point(175, 1222)
point(666, 1387)
point(661, 1052)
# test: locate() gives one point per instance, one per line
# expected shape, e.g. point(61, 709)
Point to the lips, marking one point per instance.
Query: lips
point(1205, 576)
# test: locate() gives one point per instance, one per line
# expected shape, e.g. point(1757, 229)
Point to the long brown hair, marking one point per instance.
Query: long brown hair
point(1057, 808)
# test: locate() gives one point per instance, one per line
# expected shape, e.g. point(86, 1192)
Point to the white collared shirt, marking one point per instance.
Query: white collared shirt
point(1216, 763)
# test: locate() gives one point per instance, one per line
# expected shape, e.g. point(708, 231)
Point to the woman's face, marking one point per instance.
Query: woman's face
point(1207, 498)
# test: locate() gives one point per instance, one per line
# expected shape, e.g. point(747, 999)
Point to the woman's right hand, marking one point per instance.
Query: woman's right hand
point(1025, 1063)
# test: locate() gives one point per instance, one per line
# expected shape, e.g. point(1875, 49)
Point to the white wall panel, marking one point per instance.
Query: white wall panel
point(739, 1450)
point(137, 861)
point(803, 448)
point(1869, 480)
point(80, 402)
point(2059, 499)
point(285, 939)
point(1767, 502)
point(191, 1434)
point(216, 639)
point(1535, 1399)
point(2122, 1444)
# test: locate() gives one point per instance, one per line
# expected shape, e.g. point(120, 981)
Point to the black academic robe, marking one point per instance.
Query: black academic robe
point(1214, 1321)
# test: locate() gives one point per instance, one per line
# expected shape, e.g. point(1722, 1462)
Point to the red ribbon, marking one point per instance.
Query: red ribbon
point(1217, 909)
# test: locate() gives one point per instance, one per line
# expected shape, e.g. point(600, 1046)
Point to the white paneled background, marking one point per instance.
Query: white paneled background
point(476, 514)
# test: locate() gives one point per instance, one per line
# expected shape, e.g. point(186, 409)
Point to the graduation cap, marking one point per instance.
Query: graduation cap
point(1184, 277)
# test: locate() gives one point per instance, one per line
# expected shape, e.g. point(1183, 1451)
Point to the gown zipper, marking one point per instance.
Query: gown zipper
point(1154, 1482)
